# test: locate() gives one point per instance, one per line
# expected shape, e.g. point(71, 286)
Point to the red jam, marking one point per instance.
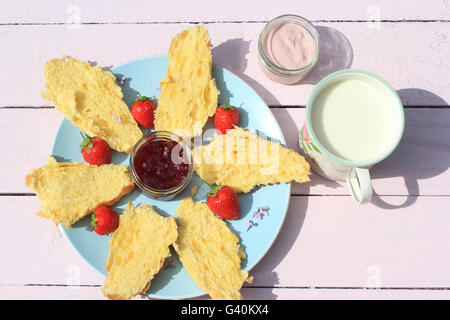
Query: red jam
point(159, 166)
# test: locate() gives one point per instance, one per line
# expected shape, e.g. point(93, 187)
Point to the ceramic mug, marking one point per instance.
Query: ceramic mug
point(319, 145)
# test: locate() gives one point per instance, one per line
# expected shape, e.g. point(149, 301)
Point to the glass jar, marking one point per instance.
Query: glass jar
point(162, 194)
point(274, 71)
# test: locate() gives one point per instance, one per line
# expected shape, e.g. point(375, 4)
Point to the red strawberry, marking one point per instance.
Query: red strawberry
point(104, 220)
point(95, 150)
point(143, 111)
point(226, 117)
point(223, 201)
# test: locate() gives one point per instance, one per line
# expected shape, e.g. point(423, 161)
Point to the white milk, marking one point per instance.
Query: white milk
point(355, 119)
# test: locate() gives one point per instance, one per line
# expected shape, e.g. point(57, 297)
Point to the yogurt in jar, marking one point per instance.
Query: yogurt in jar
point(288, 48)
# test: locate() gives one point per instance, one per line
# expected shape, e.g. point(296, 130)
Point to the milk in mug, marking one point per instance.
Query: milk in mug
point(354, 119)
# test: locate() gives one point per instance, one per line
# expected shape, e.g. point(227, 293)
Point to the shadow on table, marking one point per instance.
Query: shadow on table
point(290, 231)
point(288, 234)
point(283, 244)
point(95, 64)
point(415, 96)
point(290, 125)
point(423, 152)
point(231, 55)
point(336, 54)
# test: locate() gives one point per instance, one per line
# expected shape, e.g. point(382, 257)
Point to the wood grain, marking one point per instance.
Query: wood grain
point(329, 247)
point(419, 166)
point(326, 241)
point(93, 293)
point(39, 253)
point(156, 11)
point(421, 79)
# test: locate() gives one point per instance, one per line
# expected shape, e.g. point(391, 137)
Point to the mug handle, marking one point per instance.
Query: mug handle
point(359, 183)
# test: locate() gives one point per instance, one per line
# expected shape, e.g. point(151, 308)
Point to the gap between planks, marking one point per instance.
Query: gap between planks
point(30, 194)
point(245, 286)
point(270, 106)
point(222, 22)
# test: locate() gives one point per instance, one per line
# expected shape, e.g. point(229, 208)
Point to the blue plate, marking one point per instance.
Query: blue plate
point(144, 75)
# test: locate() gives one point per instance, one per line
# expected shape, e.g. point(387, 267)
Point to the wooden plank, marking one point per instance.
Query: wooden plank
point(28, 138)
point(93, 293)
point(106, 11)
point(38, 253)
point(344, 45)
point(326, 241)
point(334, 242)
point(420, 165)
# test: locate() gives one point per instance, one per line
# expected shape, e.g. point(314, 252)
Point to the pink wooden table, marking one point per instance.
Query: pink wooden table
point(396, 247)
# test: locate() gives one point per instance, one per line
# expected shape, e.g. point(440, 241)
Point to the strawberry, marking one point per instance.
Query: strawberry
point(143, 111)
point(225, 118)
point(95, 150)
point(223, 202)
point(104, 220)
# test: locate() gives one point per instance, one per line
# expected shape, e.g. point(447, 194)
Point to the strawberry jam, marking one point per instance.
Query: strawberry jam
point(161, 164)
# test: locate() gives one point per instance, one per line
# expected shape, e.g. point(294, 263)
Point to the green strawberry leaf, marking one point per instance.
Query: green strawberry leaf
point(214, 191)
point(87, 143)
point(93, 220)
point(227, 107)
point(141, 98)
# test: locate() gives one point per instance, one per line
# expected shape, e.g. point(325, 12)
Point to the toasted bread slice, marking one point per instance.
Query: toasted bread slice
point(209, 251)
point(188, 93)
point(137, 251)
point(243, 160)
point(71, 190)
point(91, 100)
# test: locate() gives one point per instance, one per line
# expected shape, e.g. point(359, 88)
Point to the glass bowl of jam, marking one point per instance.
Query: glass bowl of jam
point(161, 164)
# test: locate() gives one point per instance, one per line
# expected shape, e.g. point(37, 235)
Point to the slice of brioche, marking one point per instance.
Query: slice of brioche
point(188, 93)
point(91, 100)
point(137, 251)
point(243, 160)
point(209, 251)
point(69, 191)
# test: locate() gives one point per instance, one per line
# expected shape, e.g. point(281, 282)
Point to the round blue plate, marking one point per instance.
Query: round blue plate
point(144, 75)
